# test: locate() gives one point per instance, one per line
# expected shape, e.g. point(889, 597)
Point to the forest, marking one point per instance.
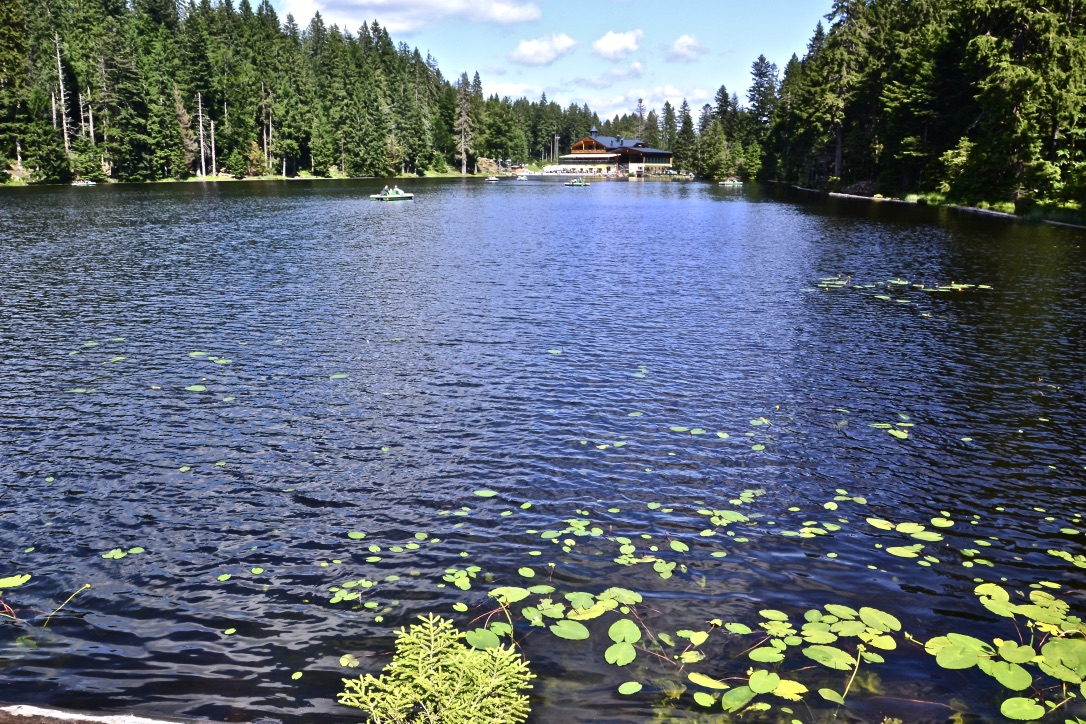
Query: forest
point(971, 100)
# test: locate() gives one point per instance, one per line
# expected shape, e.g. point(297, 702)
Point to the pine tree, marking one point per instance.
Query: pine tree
point(13, 75)
point(762, 94)
point(651, 136)
point(668, 128)
point(465, 125)
point(716, 163)
point(685, 141)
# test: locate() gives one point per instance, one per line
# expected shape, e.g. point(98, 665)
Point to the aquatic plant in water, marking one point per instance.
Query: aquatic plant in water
point(784, 661)
point(1052, 647)
point(434, 678)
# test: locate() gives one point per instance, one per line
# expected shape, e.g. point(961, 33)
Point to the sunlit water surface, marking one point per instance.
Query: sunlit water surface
point(369, 366)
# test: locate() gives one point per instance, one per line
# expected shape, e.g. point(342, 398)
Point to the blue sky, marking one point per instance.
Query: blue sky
point(607, 53)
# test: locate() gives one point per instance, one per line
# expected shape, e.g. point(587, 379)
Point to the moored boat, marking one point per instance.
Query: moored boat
point(491, 178)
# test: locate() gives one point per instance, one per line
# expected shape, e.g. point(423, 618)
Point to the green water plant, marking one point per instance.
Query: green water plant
point(1043, 664)
point(434, 678)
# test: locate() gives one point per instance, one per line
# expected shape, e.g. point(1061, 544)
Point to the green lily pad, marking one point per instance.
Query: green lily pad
point(880, 620)
point(571, 630)
point(766, 655)
point(481, 638)
point(624, 630)
point(763, 682)
point(737, 698)
point(707, 681)
point(619, 654)
point(704, 699)
point(912, 551)
point(1016, 653)
point(1012, 676)
point(629, 687)
point(14, 581)
point(830, 656)
point(1022, 709)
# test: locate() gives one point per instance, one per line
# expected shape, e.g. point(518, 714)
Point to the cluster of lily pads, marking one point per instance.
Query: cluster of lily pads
point(897, 290)
point(799, 664)
point(896, 286)
point(782, 658)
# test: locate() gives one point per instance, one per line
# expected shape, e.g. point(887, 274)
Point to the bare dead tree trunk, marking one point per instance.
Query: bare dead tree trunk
point(200, 112)
point(63, 101)
point(90, 115)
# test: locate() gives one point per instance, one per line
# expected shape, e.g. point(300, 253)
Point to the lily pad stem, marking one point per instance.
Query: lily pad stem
point(66, 602)
point(855, 670)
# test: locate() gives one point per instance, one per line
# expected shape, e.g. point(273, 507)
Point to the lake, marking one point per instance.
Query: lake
point(270, 423)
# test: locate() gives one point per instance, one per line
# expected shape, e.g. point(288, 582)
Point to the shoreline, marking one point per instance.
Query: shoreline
point(28, 714)
point(954, 207)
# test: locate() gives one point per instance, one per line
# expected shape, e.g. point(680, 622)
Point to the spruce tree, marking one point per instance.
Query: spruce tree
point(668, 128)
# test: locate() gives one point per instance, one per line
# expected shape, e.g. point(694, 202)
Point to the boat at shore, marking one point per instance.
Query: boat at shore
point(83, 182)
point(395, 195)
point(491, 178)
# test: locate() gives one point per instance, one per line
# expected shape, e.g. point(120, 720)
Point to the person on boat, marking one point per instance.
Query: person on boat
point(384, 191)
point(396, 191)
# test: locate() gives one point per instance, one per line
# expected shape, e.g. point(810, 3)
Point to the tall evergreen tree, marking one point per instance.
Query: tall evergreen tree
point(762, 94)
point(669, 127)
point(651, 136)
point(464, 128)
point(685, 148)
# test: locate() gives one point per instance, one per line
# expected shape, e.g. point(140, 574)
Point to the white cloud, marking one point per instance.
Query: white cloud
point(615, 75)
point(398, 16)
point(616, 46)
point(543, 51)
point(608, 106)
point(686, 49)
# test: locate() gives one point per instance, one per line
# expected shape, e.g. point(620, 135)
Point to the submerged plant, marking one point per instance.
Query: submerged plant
point(436, 679)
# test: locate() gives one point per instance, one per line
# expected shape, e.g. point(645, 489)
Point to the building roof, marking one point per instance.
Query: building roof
point(616, 143)
point(589, 156)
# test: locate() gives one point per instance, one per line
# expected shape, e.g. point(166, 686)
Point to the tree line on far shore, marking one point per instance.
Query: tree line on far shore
point(973, 99)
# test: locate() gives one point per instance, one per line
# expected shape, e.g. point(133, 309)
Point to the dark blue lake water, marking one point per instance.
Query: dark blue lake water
point(235, 377)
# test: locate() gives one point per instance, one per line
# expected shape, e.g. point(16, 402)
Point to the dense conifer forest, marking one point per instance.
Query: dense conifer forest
point(972, 100)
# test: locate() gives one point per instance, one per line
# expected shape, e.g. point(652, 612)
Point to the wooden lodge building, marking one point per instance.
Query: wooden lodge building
point(612, 155)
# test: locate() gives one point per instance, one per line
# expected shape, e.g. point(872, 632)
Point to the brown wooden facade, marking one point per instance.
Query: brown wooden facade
point(613, 154)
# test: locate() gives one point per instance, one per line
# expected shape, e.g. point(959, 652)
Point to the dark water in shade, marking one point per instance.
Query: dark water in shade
point(693, 305)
